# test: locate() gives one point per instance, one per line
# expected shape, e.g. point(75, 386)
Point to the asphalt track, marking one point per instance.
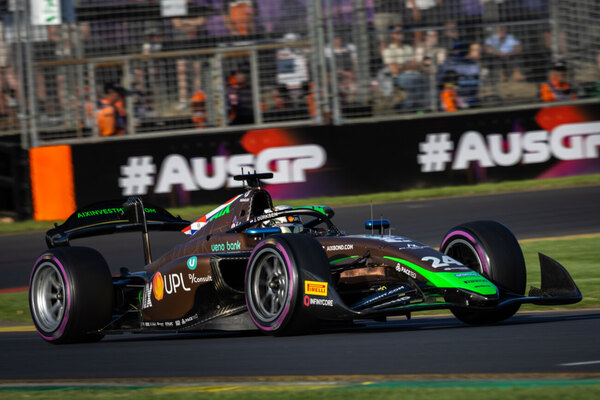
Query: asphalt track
point(548, 345)
point(538, 344)
point(533, 214)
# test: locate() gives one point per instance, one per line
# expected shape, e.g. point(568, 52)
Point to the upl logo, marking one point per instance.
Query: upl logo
point(167, 284)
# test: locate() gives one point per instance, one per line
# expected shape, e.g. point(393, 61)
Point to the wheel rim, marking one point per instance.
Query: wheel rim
point(463, 251)
point(269, 283)
point(48, 297)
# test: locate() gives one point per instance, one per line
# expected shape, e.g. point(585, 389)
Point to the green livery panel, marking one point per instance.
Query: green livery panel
point(471, 281)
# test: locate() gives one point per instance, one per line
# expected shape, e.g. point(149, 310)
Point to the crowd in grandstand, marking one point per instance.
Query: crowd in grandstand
point(422, 55)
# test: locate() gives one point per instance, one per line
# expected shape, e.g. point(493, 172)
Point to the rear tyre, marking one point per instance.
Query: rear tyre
point(274, 284)
point(492, 250)
point(70, 295)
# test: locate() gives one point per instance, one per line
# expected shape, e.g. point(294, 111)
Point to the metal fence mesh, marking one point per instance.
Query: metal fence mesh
point(218, 63)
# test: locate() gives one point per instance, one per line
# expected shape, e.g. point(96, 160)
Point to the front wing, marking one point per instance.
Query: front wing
point(557, 287)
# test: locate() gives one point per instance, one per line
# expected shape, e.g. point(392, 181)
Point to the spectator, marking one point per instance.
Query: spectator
point(344, 57)
point(214, 21)
point(557, 87)
point(386, 86)
point(449, 37)
point(147, 84)
point(239, 17)
point(387, 79)
point(424, 13)
point(198, 102)
point(410, 76)
point(450, 100)
point(474, 52)
point(42, 49)
point(64, 45)
point(430, 48)
point(8, 83)
point(120, 104)
point(188, 33)
point(110, 118)
point(387, 13)
point(11, 105)
point(292, 69)
point(281, 98)
point(502, 51)
point(467, 69)
point(239, 96)
point(308, 90)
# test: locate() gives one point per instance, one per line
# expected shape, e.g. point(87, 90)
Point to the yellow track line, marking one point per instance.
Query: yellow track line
point(23, 328)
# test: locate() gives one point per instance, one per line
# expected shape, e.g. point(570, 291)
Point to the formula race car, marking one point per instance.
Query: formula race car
point(282, 270)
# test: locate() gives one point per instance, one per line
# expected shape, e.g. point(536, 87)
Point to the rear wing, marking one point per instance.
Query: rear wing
point(113, 216)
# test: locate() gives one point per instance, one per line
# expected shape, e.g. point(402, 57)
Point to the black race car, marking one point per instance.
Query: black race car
point(282, 270)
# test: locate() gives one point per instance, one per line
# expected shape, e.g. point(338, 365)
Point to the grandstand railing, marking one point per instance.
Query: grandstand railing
point(303, 62)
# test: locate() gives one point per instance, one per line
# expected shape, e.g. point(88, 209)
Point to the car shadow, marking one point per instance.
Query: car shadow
point(365, 327)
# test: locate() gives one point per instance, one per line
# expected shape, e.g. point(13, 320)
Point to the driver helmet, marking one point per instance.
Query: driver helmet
point(287, 224)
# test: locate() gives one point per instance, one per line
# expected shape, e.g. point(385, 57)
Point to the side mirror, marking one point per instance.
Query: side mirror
point(377, 225)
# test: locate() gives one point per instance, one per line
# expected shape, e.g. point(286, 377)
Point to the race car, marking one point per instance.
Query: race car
point(281, 270)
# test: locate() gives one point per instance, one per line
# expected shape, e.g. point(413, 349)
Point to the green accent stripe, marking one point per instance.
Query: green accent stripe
point(342, 259)
point(320, 209)
point(477, 284)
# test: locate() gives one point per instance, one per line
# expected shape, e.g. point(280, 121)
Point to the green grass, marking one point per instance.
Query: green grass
point(553, 390)
point(14, 307)
point(579, 255)
point(407, 195)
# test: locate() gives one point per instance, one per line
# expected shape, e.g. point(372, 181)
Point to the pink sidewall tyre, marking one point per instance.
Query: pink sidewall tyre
point(492, 250)
point(70, 295)
point(273, 283)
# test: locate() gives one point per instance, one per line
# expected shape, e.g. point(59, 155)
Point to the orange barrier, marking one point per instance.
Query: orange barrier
point(52, 187)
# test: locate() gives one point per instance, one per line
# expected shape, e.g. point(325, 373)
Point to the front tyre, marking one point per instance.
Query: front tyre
point(273, 282)
point(492, 250)
point(70, 295)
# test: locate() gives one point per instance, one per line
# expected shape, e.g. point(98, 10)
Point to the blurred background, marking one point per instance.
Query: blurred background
point(189, 64)
point(76, 71)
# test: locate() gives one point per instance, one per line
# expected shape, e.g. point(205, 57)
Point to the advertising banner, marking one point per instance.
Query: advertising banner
point(344, 160)
point(45, 12)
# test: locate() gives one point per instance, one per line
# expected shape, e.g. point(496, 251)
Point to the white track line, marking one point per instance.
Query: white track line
point(579, 363)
